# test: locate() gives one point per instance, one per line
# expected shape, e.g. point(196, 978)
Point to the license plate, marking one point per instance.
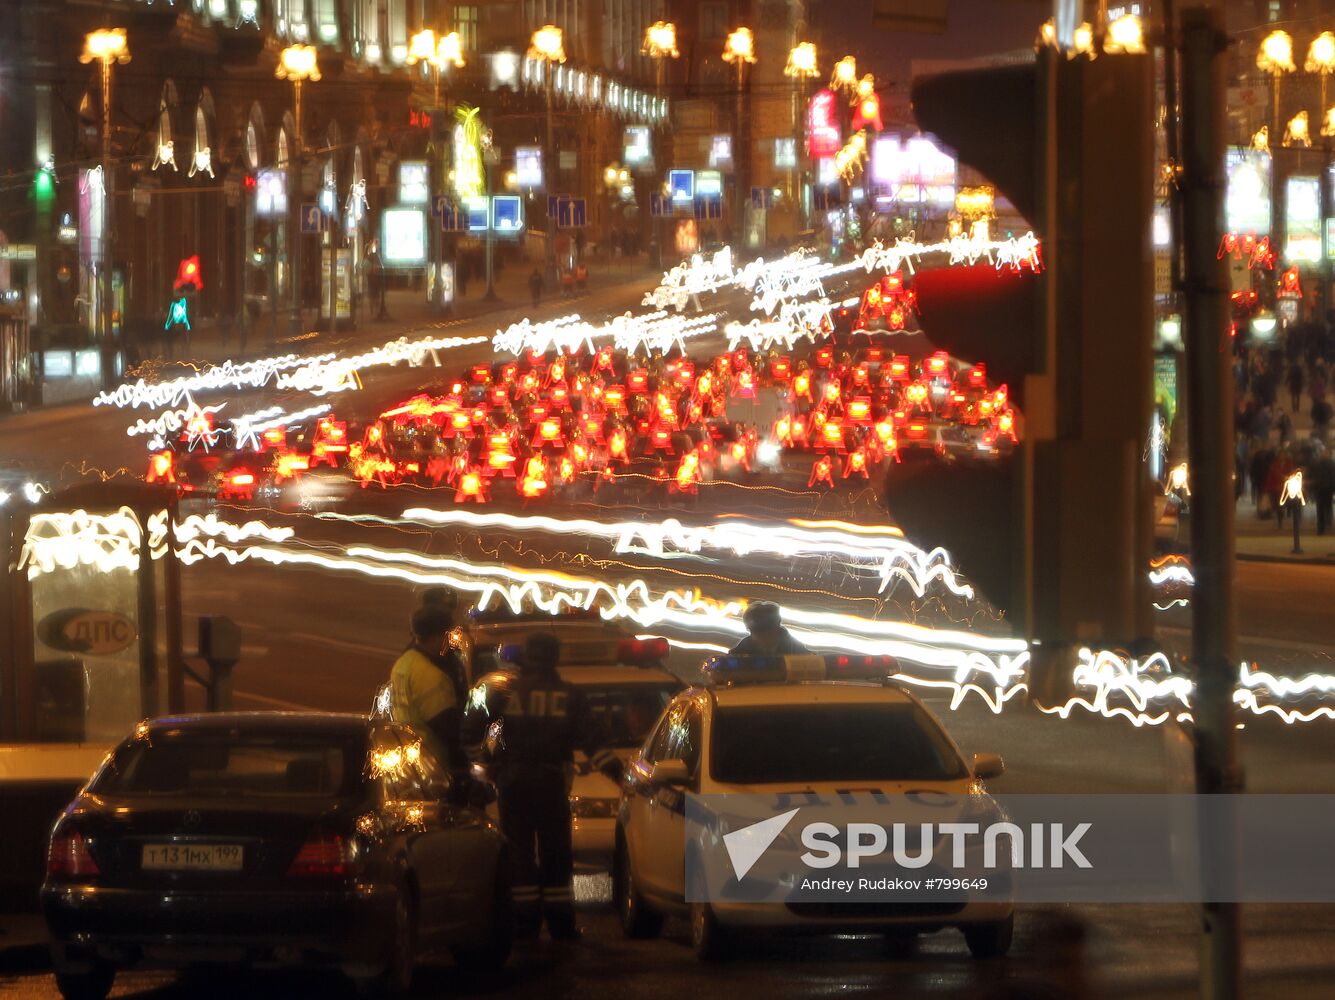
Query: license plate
point(192, 857)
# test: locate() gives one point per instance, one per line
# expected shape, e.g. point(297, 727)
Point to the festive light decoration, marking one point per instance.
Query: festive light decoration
point(848, 161)
point(469, 173)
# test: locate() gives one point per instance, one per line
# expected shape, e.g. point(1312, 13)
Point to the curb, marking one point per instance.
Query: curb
point(1288, 559)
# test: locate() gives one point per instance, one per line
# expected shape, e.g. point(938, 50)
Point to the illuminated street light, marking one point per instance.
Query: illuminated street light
point(740, 47)
point(845, 74)
point(975, 202)
point(1321, 54)
point(298, 64)
point(1296, 134)
point(450, 51)
point(802, 62)
point(1261, 139)
point(1125, 35)
point(108, 46)
point(660, 40)
point(1328, 127)
point(1083, 40)
point(1276, 58)
point(422, 47)
point(548, 44)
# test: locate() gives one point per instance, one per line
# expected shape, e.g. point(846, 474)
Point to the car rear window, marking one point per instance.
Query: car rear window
point(230, 763)
point(817, 743)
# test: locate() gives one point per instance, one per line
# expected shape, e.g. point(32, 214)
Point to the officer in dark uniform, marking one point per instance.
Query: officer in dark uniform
point(527, 727)
point(767, 635)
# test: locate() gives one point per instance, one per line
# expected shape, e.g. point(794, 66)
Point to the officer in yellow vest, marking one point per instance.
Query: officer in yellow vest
point(423, 693)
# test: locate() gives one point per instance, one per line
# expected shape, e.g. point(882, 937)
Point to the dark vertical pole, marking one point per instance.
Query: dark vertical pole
point(10, 709)
point(171, 604)
point(550, 175)
point(1209, 400)
point(294, 207)
point(148, 621)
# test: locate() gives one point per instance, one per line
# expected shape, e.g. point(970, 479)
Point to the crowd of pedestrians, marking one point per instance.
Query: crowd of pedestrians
point(1275, 385)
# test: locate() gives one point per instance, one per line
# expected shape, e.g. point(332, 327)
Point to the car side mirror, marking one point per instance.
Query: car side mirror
point(670, 772)
point(988, 765)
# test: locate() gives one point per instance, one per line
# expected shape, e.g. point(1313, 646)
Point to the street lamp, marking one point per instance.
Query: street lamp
point(740, 49)
point(845, 74)
point(548, 44)
point(436, 52)
point(298, 64)
point(801, 67)
point(660, 45)
point(1296, 132)
point(1125, 34)
point(107, 46)
point(1276, 58)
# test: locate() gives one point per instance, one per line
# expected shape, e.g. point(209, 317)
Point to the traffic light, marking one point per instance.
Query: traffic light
point(1059, 532)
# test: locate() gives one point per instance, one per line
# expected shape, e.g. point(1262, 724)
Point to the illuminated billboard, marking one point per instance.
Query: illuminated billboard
point(1302, 220)
point(528, 166)
point(414, 182)
point(823, 135)
point(1247, 201)
point(637, 146)
point(915, 171)
point(403, 237)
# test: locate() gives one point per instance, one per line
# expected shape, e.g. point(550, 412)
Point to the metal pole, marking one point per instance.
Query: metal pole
point(656, 224)
point(549, 176)
point(1210, 418)
point(294, 208)
point(1323, 296)
point(171, 604)
point(739, 161)
point(108, 344)
point(491, 288)
point(148, 619)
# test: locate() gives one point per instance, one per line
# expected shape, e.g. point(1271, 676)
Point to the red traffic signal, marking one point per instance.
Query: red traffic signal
point(188, 275)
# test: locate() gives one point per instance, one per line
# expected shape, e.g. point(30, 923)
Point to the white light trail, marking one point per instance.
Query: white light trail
point(247, 428)
point(321, 376)
point(106, 542)
point(228, 375)
point(893, 557)
point(171, 422)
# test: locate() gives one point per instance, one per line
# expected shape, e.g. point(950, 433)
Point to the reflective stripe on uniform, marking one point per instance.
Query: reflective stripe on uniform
point(524, 893)
point(557, 893)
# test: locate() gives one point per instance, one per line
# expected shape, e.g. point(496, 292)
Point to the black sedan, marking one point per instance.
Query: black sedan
point(273, 839)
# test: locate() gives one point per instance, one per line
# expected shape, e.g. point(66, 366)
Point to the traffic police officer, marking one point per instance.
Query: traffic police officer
point(527, 727)
point(767, 635)
point(424, 690)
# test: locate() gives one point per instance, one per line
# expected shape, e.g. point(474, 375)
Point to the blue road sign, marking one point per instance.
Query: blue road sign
point(439, 203)
point(312, 220)
point(708, 208)
point(507, 214)
point(478, 210)
point(452, 220)
point(579, 213)
point(682, 185)
point(658, 205)
point(553, 203)
point(564, 211)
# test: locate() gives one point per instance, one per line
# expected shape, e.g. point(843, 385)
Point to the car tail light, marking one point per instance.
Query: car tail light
point(68, 856)
point(324, 855)
point(642, 650)
point(242, 479)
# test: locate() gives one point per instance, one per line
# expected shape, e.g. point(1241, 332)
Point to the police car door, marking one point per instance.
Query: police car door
point(667, 804)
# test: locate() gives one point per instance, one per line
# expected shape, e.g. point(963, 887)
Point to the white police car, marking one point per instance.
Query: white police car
point(623, 682)
point(797, 726)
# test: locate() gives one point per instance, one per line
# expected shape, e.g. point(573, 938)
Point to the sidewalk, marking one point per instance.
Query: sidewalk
point(1262, 538)
point(23, 943)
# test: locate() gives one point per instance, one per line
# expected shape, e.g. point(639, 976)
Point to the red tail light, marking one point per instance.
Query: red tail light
point(642, 650)
point(242, 479)
point(68, 857)
point(324, 856)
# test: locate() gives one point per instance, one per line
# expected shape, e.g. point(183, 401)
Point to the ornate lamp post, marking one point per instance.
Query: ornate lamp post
point(660, 44)
point(802, 66)
point(548, 44)
point(740, 49)
point(298, 64)
point(107, 46)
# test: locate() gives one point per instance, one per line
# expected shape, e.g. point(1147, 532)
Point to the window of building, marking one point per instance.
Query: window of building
point(465, 22)
point(713, 20)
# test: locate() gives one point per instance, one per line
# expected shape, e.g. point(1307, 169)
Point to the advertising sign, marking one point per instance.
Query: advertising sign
point(1247, 201)
point(1302, 220)
point(403, 237)
point(528, 166)
point(915, 170)
point(785, 153)
point(823, 135)
point(708, 184)
point(638, 148)
point(720, 151)
point(271, 192)
point(414, 182)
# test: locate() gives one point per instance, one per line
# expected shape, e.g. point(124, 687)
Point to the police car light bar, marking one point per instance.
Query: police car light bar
point(642, 650)
point(795, 669)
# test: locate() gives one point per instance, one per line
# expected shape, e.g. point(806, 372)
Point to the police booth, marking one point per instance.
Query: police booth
point(90, 645)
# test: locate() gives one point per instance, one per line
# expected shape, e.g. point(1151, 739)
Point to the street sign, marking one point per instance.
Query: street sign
point(709, 208)
point(312, 221)
point(659, 205)
point(18, 251)
point(553, 203)
point(477, 211)
point(439, 203)
point(682, 185)
point(571, 213)
point(507, 214)
point(452, 219)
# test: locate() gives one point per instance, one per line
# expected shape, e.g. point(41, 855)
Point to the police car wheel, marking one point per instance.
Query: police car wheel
point(93, 984)
point(709, 940)
point(991, 940)
point(638, 919)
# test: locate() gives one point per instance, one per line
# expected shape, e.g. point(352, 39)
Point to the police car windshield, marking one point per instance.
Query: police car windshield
point(627, 713)
point(830, 742)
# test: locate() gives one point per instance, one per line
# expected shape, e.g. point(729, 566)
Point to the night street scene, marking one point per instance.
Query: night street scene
point(667, 498)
